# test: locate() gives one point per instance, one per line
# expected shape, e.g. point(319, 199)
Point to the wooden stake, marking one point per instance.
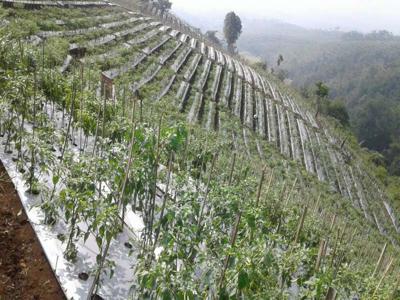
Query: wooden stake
point(330, 232)
point(379, 263)
point(317, 204)
point(260, 186)
point(333, 222)
point(291, 192)
point(233, 241)
point(232, 168)
point(337, 242)
point(321, 254)
point(395, 291)
point(301, 224)
point(269, 182)
point(389, 265)
point(206, 193)
point(331, 295)
point(164, 201)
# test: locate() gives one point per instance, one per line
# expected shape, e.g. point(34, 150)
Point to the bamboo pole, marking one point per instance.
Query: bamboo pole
point(395, 290)
point(206, 193)
point(260, 186)
point(331, 295)
point(290, 192)
point(389, 265)
point(321, 254)
point(317, 204)
point(232, 242)
point(232, 168)
point(164, 202)
point(379, 262)
point(339, 239)
point(301, 224)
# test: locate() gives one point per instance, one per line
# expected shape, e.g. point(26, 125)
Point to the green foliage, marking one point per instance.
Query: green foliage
point(361, 69)
point(377, 124)
point(337, 109)
point(280, 60)
point(217, 232)
point(22, 28)
point(381, 35)
point(232, 29)
point(321, 90)
point(163, 5)
point(56, 50)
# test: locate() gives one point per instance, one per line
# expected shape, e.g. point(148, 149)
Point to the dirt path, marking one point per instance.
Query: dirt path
point(24, 271)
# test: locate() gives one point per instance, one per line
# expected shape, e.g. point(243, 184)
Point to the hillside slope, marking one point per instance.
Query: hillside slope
point(201, 146)
point(362, 70)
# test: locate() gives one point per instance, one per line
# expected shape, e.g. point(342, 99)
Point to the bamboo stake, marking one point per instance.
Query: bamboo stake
point(330, 232)
point(331, 295)
point(260, 186)
point(199, 221)
point(339, 239)
point(232, 168)
point(395, 291)
point(206, 193)
point(269, 182)
point(81, 111)
point(291, 192)
point(379, 263)
point(301, 224)
point(317, 204)
point(321, 254)
point(154, 191)
point(164, 202)
point(233, 241)
point(389, 265)
point(127, 171)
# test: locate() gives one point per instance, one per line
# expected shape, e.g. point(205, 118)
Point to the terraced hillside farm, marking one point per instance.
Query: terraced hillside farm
point(153, 165)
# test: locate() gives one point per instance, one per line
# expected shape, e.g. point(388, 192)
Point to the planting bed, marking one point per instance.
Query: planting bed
point(24, 270)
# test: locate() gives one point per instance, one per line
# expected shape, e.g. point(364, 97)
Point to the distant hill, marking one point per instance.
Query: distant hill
point(363, 70)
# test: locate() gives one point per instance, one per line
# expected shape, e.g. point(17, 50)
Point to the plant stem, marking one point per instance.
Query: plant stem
point(300, 227)
point(232, 242)
point(164, 201)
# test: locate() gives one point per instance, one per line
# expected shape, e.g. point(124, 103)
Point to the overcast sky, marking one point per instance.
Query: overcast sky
point(364, 15)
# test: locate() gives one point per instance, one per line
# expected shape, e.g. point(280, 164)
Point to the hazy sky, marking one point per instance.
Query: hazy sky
point(362, 15)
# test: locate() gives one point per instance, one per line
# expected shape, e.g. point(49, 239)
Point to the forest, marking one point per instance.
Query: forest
point(361, 70)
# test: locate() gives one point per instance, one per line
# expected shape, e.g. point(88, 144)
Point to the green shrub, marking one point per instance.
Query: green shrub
point(337, 110)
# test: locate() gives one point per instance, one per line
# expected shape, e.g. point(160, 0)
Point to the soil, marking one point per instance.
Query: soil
point(24, 270)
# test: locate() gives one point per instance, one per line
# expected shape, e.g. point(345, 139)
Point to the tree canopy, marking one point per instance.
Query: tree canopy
point(163, 5)
point(232, 29)
point(322, 90)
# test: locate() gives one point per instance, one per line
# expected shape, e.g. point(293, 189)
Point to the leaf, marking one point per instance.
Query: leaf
point(99, 241)
point(87, 234)
point(251, 221)
point(166, 295)
point(109, 236)
point(55, 179)
point(101, 231)
point(243, 280)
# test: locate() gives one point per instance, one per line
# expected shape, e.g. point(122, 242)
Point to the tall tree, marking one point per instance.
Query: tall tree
point(232, 30)
point(280, 60)
point(322, 92)
point(163, 5)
